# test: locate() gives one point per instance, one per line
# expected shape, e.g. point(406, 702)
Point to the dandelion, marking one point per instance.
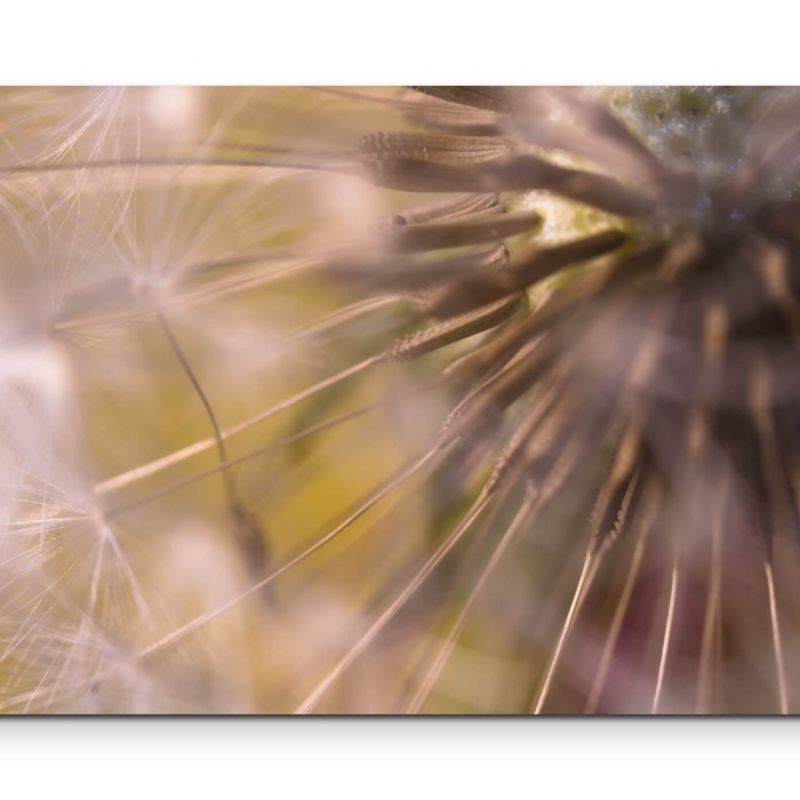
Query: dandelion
point(432, 400)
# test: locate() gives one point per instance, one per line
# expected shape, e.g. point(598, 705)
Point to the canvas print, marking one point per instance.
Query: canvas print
point(399, 400)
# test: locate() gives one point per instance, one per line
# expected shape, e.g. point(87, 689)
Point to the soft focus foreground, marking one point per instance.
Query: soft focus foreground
point(388, 401)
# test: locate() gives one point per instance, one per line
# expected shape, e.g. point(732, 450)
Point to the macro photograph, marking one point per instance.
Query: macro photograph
point(389, 400)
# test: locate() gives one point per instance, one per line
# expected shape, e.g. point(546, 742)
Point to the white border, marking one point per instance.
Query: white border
point(395, 758)
point(366, 41)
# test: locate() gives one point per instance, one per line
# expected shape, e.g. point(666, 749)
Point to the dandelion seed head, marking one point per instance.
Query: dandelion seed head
point(460, 399)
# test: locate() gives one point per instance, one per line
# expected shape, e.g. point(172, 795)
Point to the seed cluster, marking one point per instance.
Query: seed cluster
point(530, 444)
